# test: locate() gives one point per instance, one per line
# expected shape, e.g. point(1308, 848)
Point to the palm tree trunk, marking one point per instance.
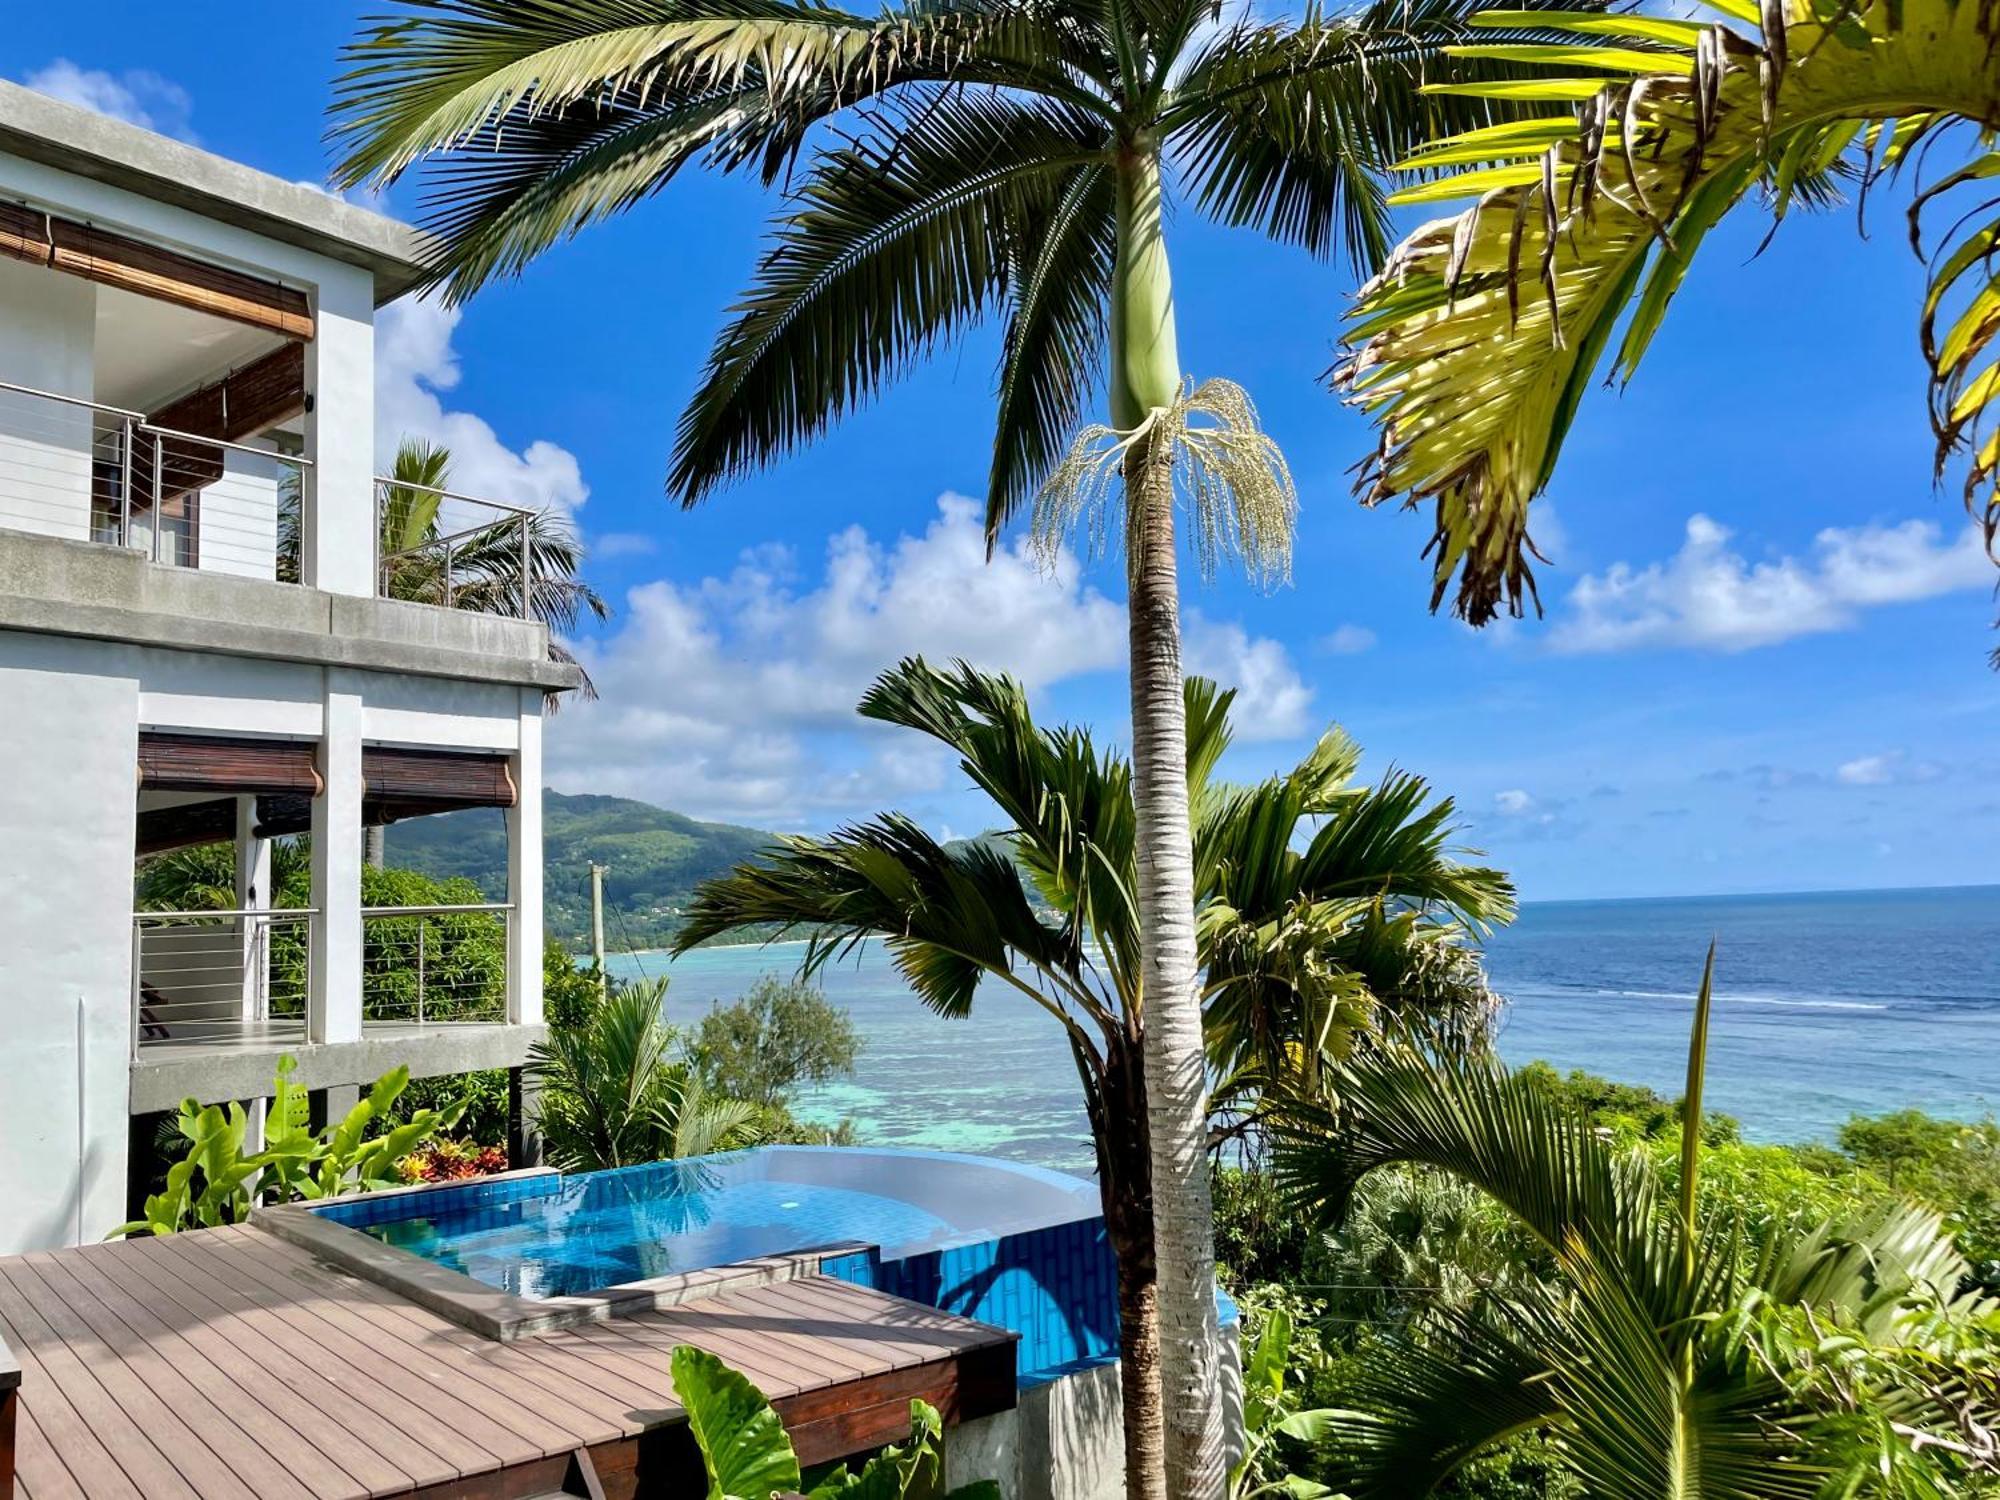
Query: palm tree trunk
point(1115, 1097)
point(375, 846)
point(1146, 378)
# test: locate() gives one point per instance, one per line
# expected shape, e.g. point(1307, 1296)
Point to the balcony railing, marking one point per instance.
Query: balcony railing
point(77, 469)
point(438, 547)
point(220, 977)
point(434, 965)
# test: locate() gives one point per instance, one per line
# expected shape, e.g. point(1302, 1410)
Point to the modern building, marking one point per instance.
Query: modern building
point(203, 642)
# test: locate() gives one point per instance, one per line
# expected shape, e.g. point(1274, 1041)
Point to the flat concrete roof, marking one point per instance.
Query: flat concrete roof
point(73, 139)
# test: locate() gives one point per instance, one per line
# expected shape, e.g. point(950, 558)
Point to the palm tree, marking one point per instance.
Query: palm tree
point(480, 572)
point(613, 1093)
point(1001, 157)
point(1474, 345)
point(954, 916)
point(1671, 1359)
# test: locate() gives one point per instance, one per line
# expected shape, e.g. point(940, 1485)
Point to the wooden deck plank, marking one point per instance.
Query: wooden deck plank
point(47, 1481)
point(319, 1316)
point(561, 1427)
point(73, 1447)
point(215, 1335)
point(181, 1424)
point(186, 1387)
point(742, 1327)
point(194, 1323)
point(645, 1352)
point(127, 1452)
point(363, 1410)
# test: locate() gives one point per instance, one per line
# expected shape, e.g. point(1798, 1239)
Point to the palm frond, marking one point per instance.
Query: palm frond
point(1056, 329)
point(1472, 349)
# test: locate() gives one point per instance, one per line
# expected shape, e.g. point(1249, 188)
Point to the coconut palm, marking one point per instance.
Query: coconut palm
point(1475, 344)
point(480, 572)
point(1671, 1359)
point(1009, 158)
point(954, 917)
point(614, 1094)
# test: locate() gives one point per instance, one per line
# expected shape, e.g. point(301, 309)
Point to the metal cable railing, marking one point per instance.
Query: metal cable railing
point(436, 546)
point(434, 965)
point(89, 472)
point(220, 976)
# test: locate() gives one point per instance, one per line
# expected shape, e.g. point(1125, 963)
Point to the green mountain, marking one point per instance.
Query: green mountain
point(654, 858)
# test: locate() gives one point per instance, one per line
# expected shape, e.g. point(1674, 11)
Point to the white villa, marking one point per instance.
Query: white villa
point(195, 647)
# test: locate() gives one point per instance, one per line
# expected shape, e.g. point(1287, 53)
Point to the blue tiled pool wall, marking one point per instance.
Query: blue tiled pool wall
point(387, 1208)
point(1057, 1287)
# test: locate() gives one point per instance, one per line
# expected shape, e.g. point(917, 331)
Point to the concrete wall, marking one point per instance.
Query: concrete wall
point(68, 800)
point(47, 323)
point(1065, 1438)
point(67, 804)
point(46, 317)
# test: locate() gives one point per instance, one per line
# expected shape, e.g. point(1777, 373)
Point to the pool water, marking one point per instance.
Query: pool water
point(601, 1229)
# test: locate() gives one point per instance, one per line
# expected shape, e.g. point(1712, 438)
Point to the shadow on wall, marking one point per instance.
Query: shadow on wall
point(1057, 1287)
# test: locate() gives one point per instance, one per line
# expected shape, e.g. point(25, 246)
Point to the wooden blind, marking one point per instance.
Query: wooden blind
point(24, 233)
point(439, 778)
point(118, 260)
point(213, 763)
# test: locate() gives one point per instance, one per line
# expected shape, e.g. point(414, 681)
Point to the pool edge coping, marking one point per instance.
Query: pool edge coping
point(505, 1316)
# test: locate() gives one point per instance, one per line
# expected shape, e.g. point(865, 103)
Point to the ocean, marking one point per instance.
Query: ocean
point(1827, 1005)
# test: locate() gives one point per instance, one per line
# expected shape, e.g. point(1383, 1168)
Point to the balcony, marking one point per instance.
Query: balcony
point(241, 979)
point(83, 471)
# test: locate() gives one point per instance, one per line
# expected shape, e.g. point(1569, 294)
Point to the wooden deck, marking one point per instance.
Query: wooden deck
point(228, 1365)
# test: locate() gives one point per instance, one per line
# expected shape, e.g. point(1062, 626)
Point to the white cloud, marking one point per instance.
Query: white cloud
point(414, 364)
point(733, 697)
point(1710, 597)
point(1891, 767)
point(623, 544)
point(137, 96)
point(1272, 701)
point(1514, 802)
point(1347, 640)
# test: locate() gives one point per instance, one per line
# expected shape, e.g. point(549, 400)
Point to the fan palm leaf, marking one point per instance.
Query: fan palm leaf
point(1472, 349)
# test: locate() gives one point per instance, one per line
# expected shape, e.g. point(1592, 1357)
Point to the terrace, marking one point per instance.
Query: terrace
point(339, 1353)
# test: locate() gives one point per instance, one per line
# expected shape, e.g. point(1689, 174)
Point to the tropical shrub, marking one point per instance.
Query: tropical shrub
point(779, 1036)
point(451, 1161)
point(1272, 1417)
point(615, 1091)
point(748, 1455)
point(219, 1182)
point(1673, 1354)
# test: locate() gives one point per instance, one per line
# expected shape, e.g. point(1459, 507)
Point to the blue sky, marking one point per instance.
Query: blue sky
point(1763, 665)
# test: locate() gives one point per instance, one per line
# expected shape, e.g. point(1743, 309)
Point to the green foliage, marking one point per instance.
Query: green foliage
point(1272, 1417)
point(615, 1092)
point(777, 1037)
point(1669, 1353)
point(748, 1456)
point(1258, 1239)
point(656, 858)
point(570, 991)
point(218, 1182)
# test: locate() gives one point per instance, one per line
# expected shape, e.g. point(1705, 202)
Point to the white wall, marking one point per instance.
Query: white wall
point(67, 803)
point(47, 324)
point(340, 361)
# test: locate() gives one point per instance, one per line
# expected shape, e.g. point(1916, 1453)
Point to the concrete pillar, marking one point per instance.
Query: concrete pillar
point(333, 1009)
point(524, 1104)
point(330, 1105)
point(253, 893)
point(524, 869)
point(339, 493)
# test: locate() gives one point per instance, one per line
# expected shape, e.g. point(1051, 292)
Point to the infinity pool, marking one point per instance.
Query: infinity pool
point(564, 1235)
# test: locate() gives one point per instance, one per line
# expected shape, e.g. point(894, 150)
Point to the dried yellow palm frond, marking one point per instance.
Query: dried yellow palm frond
point(1228, 472)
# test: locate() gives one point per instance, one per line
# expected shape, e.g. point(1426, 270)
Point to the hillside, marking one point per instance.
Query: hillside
point(655, 857)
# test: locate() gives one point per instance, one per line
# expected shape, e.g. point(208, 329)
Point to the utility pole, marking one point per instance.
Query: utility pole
point(597, 922)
